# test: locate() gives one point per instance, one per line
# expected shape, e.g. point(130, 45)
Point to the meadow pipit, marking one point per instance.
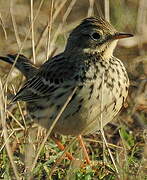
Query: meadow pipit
point(86, 63)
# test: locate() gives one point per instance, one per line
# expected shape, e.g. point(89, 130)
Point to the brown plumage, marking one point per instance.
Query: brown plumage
point(88, 64)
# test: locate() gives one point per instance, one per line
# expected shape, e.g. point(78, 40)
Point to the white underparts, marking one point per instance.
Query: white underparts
point(109, 50)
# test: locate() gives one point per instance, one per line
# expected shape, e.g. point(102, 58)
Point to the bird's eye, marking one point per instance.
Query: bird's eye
point(96, 36)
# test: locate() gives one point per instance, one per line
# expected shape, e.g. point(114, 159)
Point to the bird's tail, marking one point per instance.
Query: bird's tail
point(23, 64)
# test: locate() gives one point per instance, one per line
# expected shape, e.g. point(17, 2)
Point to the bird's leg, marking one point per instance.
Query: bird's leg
point(84, 149)
point(61, 147)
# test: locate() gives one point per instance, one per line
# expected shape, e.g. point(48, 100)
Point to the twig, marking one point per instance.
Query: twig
point(51, 128)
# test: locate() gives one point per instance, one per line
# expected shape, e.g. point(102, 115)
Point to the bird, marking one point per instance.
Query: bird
point(87, 63)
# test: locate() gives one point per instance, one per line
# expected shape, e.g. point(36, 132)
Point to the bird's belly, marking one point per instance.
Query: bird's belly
point(88, 113)
point(89, 110)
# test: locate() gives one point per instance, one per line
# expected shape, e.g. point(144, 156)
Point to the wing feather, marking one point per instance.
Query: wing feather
point(53, 74)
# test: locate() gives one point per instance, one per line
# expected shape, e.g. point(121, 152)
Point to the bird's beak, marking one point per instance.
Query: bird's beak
point(122, 35)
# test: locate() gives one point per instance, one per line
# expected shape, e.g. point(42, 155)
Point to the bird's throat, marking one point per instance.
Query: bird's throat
point(108, 51)
point(105, 50)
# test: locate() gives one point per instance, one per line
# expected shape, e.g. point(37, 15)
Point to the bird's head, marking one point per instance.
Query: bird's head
point(95, 35)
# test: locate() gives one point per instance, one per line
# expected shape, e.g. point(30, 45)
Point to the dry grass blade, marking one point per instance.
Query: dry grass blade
point(22, 45)
point(102, 131)
point(141, 22)
point(3, 26)
point(51, 128)
point(41, 38)
point(20, 109)
point(3, 118)
point(32, 32)
point(7, 140)
point(60, 27)
point(91, 6)
point(101, 142)
point(107, 10)
point(49, 29)
point(58, 161)
point(99, 9)
point(15, 120)
point(14, 25)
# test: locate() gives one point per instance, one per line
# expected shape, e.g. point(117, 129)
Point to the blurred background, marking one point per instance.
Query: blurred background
point(39, 29)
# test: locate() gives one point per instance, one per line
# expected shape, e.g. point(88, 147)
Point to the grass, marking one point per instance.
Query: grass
point(39, 29)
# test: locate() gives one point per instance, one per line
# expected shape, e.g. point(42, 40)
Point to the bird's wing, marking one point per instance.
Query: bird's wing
point(55, 73)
